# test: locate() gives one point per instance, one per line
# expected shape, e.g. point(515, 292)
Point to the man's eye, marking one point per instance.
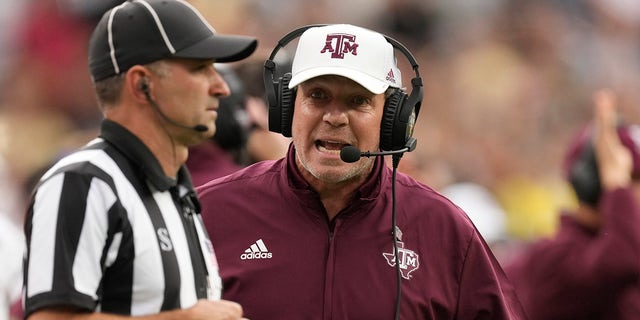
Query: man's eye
point(317, 94)
point(203, 66)
point(359, 100)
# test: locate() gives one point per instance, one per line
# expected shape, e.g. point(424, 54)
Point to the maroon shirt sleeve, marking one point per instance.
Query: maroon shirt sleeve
point(582, 274)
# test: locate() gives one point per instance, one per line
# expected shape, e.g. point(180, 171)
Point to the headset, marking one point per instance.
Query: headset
point(400, 109)
point(143, 86)
point(584, 176)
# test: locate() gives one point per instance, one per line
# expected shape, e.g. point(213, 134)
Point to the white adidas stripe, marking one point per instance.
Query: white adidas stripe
point(258, 250)
point(259, 246)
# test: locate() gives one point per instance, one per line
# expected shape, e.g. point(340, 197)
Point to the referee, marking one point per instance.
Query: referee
point(114, 228)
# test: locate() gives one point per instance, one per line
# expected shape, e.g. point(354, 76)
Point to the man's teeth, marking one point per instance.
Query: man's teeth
point(324, 149)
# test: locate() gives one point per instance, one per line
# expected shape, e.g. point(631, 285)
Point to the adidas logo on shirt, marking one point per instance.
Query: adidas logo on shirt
point(256, 251)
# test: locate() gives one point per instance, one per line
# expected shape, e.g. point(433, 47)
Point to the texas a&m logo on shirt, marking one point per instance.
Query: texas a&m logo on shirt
point(409, 260)
point(339, 44)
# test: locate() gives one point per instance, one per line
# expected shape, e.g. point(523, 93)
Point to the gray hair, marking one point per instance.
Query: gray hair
point(108, 90)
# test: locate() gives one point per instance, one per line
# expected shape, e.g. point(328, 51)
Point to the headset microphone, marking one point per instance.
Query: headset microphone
point(351, 154)
point(145, 89)
point(200, 128)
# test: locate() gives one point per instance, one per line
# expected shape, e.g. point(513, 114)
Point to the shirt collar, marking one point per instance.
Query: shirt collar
point(140, 155)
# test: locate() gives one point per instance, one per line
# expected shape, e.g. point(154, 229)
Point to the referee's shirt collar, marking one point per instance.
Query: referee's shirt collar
point(137, 152)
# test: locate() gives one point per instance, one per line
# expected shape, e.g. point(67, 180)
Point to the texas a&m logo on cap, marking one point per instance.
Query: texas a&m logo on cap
point(339, 44)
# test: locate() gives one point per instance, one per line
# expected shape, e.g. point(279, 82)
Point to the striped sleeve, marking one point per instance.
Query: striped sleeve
point(65, 262)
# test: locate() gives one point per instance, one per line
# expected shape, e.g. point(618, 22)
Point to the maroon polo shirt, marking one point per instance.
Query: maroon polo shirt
point(281, 258)
point(208, 161)
point(582, 274)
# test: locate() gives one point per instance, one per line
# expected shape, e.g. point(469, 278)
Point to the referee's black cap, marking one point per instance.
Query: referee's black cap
point(143, 31)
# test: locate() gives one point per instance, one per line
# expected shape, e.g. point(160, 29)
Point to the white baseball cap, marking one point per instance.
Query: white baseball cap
point(359, 54)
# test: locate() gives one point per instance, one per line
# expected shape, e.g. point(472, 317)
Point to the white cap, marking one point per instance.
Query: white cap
point(361, 55)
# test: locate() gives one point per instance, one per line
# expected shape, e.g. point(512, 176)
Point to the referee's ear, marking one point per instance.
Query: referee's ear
point(137, 84)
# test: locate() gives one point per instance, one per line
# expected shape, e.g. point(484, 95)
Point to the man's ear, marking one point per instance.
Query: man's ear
point(137, 83)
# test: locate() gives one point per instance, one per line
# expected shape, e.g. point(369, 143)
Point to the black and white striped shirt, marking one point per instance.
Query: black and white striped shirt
point(108, 231)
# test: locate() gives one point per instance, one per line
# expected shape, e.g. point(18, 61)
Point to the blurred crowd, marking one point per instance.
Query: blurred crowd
point(507, 84)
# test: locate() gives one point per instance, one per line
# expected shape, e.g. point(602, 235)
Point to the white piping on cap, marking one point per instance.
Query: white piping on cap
point(167, 42)
point(112, 49)
point(206, 23)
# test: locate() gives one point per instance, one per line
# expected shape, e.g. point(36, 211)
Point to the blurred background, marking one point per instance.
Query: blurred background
point(507, 84)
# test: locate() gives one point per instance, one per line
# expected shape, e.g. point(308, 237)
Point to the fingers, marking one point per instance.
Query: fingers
point(614, 159)
point(215, 310)
point(229, 309)
point(605, 116)
point(235, 307)
point(257, 112)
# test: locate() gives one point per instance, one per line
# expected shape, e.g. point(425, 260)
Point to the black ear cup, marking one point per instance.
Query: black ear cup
point(399, 118)
point(286, 97)
point(389, 137)
point(584, 177)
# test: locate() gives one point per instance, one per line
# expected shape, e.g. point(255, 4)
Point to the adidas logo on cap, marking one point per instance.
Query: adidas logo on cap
point(256, 251)
point(391, 77)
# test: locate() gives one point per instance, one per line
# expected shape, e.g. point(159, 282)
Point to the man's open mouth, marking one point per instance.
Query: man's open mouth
point(330, 146)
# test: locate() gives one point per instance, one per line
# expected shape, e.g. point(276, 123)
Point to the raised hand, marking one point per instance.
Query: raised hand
point(614, 160)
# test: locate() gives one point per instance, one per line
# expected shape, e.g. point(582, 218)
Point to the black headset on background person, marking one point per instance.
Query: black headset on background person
point(400, 110)
point(584, 176)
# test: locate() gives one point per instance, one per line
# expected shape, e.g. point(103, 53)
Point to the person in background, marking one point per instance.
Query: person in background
point(311, 236)
point(11, 251)
point(224, 153)
point(261, 143)
point(113, 229)
point(591, 268)
point(242, 137)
